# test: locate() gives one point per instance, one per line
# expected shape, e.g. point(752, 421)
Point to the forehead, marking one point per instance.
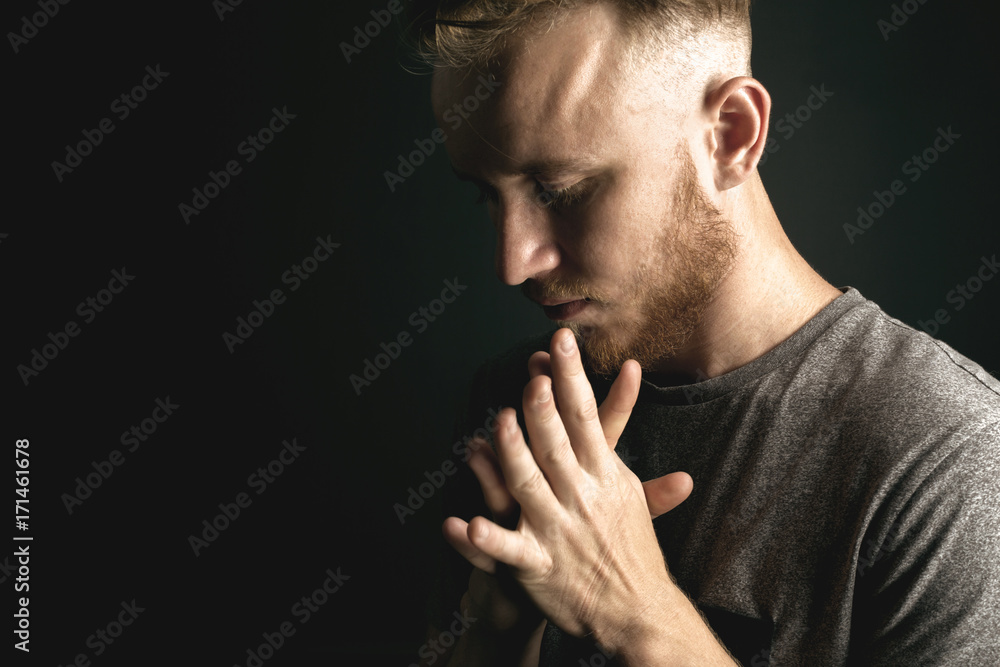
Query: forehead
point(564, 91)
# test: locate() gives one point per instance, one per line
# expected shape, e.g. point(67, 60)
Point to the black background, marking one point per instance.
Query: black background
point(324, 175)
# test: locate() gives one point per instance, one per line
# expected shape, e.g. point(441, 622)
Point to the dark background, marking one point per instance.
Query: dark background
point(323, 175)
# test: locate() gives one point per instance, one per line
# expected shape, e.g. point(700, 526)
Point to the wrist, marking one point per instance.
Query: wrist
point(667, 631)
point(644, 628)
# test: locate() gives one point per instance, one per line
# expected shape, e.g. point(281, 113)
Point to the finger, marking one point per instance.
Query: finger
point(486, 468)
point(665, 493)
point(577, 405)
point(550, 444)
point(505, 546)
point(617, 406)
point(456, 533)
point(539, 364)
point(523, 477)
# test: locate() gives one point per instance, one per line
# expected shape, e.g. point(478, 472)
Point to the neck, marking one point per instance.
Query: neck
point(768, 295)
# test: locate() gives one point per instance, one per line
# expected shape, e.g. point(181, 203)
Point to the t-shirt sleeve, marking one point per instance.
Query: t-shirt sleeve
point(929, 594)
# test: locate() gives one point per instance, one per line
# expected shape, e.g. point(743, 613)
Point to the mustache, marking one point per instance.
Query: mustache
point(560, 288)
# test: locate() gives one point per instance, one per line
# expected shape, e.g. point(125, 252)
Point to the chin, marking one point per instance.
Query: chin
point(602, 351)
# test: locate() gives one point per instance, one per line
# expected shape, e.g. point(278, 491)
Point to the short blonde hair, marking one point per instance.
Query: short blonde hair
point(472, 33)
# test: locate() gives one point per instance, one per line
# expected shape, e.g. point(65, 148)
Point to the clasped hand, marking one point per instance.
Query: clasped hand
point(583, 548)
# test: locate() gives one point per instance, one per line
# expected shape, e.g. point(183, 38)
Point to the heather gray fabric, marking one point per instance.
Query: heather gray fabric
point(846, 504)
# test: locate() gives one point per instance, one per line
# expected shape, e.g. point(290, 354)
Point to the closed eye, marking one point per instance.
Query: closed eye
point(564, 197)
point(546, 197)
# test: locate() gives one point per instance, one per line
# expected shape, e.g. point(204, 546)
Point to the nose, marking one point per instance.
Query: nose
point(526, 242)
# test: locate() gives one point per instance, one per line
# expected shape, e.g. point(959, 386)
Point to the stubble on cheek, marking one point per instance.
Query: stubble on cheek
point(663, 303)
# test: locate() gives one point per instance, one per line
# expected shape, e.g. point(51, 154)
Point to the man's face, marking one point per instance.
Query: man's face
point(600, 214)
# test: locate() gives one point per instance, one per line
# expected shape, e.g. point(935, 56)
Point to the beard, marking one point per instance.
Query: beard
point(690, 260)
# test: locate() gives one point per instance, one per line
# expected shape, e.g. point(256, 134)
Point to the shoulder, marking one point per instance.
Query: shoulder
point(909, 409)
point(901, 377)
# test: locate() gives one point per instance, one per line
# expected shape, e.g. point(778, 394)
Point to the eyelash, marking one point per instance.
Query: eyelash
point(555, 199)
point(484, 196)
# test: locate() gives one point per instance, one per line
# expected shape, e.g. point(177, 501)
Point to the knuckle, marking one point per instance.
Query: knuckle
point(546, 415)
point(574, 371)
point(526, 554)
point(531, 393)
point(559, 455)
point(586, 411)
point(530, 486)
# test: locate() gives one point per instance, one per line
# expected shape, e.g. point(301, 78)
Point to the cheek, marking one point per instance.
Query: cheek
point(621, 226)
point(592, 238)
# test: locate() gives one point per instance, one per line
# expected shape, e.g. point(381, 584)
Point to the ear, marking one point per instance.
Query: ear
point(738, 111)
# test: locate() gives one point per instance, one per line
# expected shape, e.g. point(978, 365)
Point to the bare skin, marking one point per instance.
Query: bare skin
point(584, 550)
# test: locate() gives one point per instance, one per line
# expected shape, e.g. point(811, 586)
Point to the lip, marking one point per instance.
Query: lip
point(554, 302)
point(565, 310)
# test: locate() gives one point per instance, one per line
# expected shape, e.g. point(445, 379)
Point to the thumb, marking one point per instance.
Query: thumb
point(665, 493)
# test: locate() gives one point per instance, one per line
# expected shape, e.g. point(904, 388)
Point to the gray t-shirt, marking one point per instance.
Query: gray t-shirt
point(846, 503)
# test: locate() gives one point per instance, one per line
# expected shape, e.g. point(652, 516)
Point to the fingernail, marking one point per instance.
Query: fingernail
point(568, 344)
point(544, 396)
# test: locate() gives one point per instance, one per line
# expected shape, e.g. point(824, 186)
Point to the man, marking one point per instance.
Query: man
point(823, 478)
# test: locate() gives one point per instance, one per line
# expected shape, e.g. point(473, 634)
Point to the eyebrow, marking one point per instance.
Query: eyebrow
point(537, 167)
